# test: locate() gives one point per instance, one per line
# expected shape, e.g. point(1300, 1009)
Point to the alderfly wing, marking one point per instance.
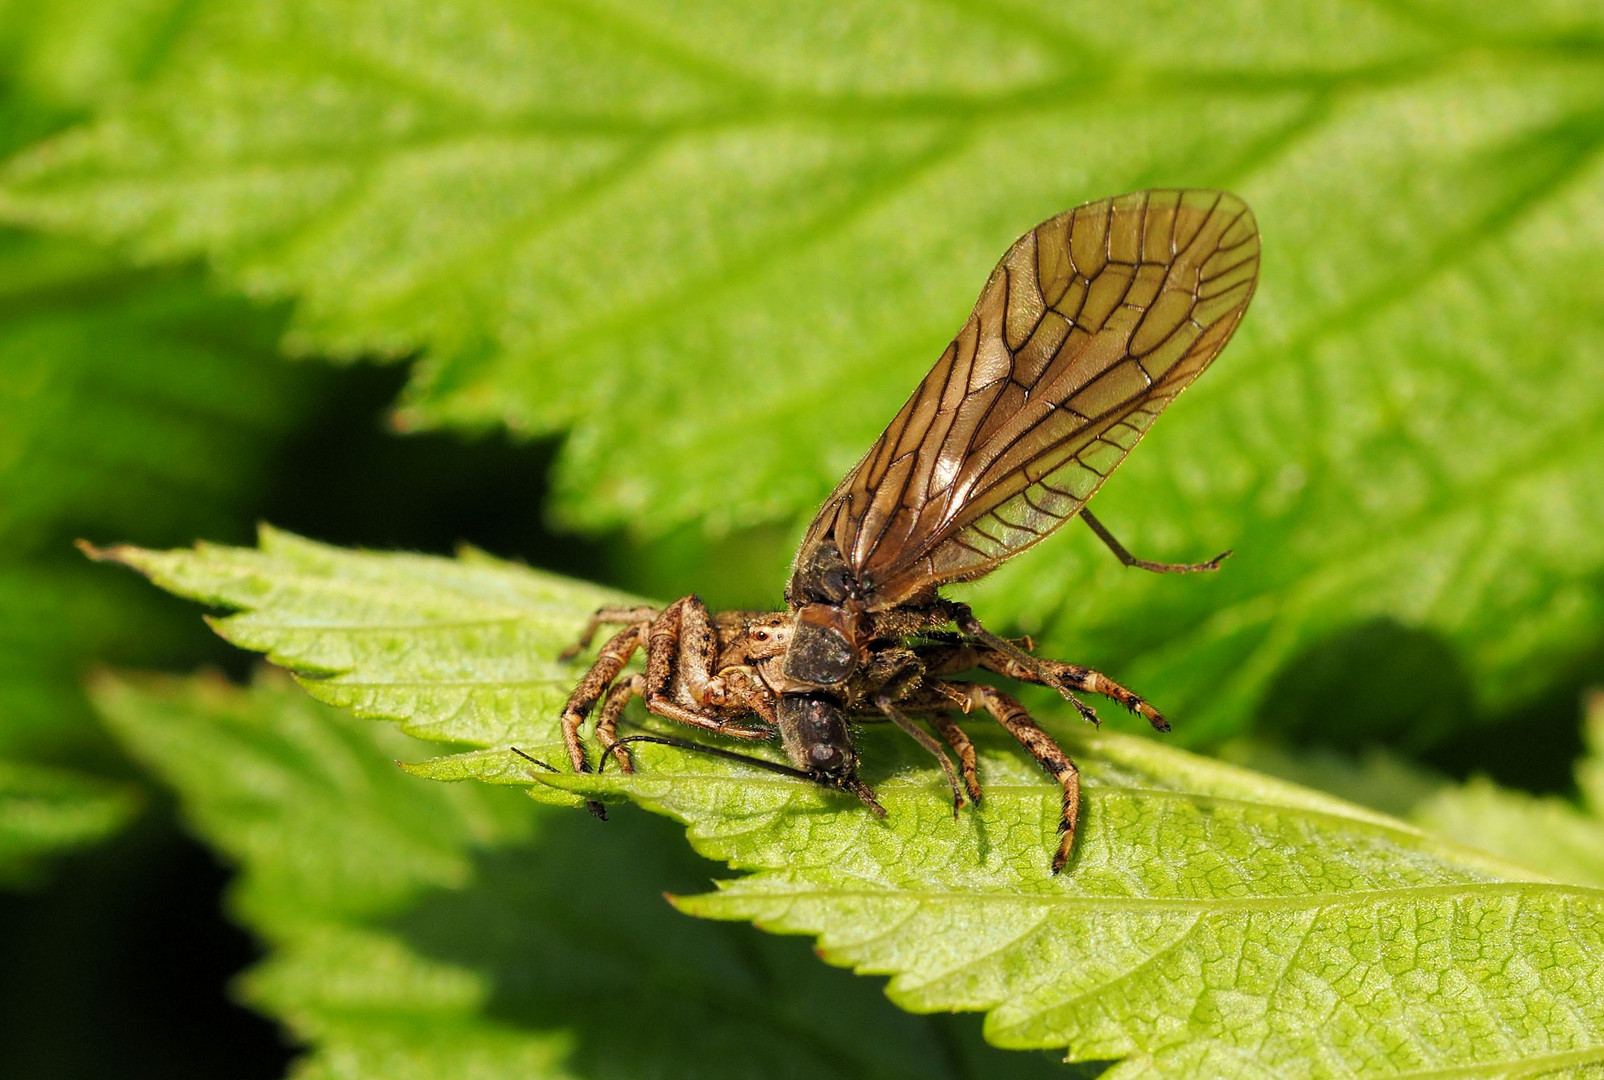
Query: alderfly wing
point(1092, 323)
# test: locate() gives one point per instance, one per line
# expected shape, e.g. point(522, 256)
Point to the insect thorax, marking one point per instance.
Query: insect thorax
point(822, 576)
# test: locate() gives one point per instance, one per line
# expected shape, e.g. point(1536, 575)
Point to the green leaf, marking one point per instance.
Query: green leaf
point(59, 60)
point(1379, 779)
point(1546, 833)
point(461, 650)
point(1214, 921)
point(719, 245)
point(47, 811)
point(426, 930)
point(1553, 835)
point(135, 403)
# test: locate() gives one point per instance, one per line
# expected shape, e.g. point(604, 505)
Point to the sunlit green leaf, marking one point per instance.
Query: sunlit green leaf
point(1547, 833)
point(1214, 921)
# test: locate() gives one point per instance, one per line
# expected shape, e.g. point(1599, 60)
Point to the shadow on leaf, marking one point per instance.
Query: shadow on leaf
point(572, 931)
point(1385, 683)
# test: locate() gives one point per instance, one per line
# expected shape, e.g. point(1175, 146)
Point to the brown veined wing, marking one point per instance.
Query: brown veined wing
point(1092, 323)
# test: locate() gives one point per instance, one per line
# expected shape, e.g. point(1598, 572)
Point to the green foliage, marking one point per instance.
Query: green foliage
point(60, 60)
point(461, 651)
point(427, 930)
point(1553, 835)
point(134, 404)
point(719, 245)
point(715, 247)
point(1211, 915)
point(43, 811)
point(1550, 834)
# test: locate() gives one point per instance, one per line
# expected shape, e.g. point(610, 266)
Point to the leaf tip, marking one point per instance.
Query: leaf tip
point(116, 553)
point(404, 420)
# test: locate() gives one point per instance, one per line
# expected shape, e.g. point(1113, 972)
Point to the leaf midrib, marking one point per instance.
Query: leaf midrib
point(769, 890)
point(1527, 1065)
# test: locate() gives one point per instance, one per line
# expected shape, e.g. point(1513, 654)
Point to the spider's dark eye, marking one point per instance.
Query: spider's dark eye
point(761, 635)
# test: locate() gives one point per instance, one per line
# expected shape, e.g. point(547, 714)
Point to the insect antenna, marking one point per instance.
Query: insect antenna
point(716, 751)
point(854, 785)
point(597, 809)
point(531, 760)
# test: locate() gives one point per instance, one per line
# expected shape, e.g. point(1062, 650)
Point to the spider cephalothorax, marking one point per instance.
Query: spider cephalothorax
point(1091, 324)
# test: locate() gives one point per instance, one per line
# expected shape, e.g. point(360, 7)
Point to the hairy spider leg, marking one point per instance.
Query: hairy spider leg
point(614, 655)
point(1039, 745)
point(1007, 658)
point(607, 616)
point(966, 622)
point(675, 676)
point(607, 723)
point(681, 650)
point(1057, 674)
point(1124, 555)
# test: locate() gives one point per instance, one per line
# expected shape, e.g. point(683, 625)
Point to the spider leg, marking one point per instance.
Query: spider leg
point(681, 650)
point(961, 745)
point(739, 687)
point(614, 655)
point(923, 738)
point(607, 724)
point(1040, 745)
point(1128, 559)
point(603, 617)
point(950, 659)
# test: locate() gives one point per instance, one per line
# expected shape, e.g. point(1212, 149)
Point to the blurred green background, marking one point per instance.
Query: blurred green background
point(623, 289)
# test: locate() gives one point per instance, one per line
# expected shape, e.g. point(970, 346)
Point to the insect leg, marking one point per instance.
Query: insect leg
point(614, 655)
point(1058, 675)
point(1012, 715)
point(1128, 559)
point(944, 658)
point(604, 617)
point(958, 739)
point(669, 671)
point(966, 621)
point(607, 724)
point(922, 737)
